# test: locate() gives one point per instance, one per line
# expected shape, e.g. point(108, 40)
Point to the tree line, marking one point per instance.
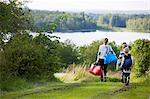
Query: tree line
point(43, 21)
point(73, 22)
point(131, 22)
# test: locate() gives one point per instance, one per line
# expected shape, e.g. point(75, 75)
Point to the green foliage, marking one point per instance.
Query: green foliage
point(140, 51)
point(139, 24)
point(117, 21)
point(89, 53)
point(104, 20)
point(76, 22)
point(115, 48)
point(13, 17)
point(68, 53)
point(44, 21)
point(132, 22)
point(26, 58)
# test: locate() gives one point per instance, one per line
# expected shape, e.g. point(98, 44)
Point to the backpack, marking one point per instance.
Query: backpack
point(127, 61)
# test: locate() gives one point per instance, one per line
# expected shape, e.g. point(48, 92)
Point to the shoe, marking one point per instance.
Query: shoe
point(105, 80)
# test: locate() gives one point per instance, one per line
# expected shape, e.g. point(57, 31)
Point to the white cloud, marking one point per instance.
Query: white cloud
point(90, 4)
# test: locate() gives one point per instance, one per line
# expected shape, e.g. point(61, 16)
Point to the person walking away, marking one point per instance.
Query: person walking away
point(126, 65)
point(121, 54)
point(102, 51)
point(124, 44)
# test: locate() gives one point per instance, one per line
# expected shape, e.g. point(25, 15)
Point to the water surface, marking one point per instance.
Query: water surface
point(80, 38)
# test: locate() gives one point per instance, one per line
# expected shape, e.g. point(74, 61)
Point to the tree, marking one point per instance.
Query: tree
point(14, 18)
point(139, 24)
point(117, 21)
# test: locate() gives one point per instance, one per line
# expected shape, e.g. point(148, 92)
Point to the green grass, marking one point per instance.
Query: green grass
point(82, 91)
point(36, 90)
point(142, 91)
point(89, 88)
point(85, 90)
point(15, 84)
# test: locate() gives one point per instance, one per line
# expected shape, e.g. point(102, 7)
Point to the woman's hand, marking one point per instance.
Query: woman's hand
point(97, 61)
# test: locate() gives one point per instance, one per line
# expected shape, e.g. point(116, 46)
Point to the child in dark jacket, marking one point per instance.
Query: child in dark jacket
point(126, 65)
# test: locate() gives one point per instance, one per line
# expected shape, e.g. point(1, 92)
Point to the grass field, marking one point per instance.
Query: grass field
point(80, 84)
point(91, 90)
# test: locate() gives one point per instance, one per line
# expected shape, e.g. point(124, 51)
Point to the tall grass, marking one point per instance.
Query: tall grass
point(74, 73)
point(80, 73)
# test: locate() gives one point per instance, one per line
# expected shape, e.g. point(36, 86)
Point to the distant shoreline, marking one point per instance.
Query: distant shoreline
point(103, 30)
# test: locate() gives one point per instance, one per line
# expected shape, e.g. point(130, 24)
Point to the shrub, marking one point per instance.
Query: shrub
point(25, 58)
point(141, 52)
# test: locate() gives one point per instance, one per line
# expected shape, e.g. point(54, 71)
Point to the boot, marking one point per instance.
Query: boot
point(101, 78)
point(105, 79)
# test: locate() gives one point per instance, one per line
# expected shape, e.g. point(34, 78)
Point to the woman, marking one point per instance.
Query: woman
point(102, 51)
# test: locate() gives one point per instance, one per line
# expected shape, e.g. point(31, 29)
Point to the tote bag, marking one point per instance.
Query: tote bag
point(109, 57)
point(96, 70)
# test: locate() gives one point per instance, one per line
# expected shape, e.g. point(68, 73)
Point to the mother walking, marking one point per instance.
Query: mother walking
point(103, 50)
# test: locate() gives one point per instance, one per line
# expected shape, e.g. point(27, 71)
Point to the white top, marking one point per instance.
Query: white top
point(103, 50)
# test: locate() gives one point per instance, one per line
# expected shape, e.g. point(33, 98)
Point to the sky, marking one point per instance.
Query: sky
point(84, 5)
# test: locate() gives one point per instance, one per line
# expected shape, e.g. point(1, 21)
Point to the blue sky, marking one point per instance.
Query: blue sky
point(82, 5)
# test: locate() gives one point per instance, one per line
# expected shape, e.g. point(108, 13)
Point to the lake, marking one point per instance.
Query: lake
point(85, 38)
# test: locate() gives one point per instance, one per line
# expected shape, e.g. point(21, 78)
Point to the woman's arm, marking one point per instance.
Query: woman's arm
point(98, 54)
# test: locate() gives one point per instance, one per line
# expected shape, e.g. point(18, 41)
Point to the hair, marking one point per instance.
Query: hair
point(105, 41)
point(124, 45)
point(126, 49)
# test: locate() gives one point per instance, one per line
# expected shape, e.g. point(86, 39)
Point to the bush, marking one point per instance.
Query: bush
point(68, 53)
point(25, 58)
point(141, 52)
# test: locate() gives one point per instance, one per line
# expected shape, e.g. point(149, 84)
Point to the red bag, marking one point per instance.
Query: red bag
point(96, 70)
